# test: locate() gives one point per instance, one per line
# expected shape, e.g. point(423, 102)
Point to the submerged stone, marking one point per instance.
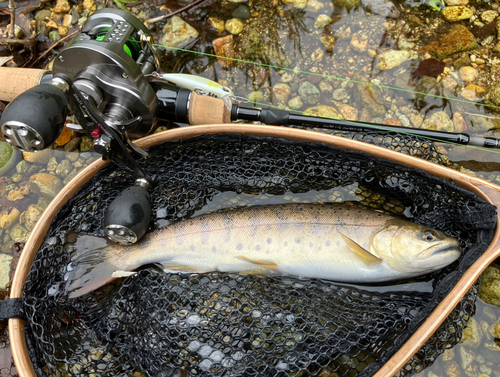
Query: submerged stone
point(489, 291)
point(438, 121)
point(309, 93)
point(234, 26)
point(458, 39)
point(392, 59)
point(178, 33)
point(324, 112)
point(348, 4)
point(241, 12)
point(370, 98)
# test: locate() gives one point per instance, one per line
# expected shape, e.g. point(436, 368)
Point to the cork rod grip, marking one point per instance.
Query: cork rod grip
point(14, 81)
point(207, 110)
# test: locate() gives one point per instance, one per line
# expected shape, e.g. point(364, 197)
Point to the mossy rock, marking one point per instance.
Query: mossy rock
point(8, 157)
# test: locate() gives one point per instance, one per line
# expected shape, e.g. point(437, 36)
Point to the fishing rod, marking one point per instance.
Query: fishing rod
point(108, 75)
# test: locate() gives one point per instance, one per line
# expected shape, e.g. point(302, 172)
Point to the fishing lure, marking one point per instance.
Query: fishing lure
point(201, 85)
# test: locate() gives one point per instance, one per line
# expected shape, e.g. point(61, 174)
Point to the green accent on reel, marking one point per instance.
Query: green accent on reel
point(125, 47)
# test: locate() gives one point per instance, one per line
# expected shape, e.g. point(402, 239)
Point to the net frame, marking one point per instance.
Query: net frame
point(486, 190)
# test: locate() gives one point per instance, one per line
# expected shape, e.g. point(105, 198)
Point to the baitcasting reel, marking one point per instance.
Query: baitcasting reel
point(102, 75)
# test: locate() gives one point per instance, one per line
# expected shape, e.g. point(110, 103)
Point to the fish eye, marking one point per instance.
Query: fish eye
point(429, 235)
point(226, 89)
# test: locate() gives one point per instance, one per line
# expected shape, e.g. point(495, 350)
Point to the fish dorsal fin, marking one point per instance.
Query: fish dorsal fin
point(263, 264)
point(363, 254)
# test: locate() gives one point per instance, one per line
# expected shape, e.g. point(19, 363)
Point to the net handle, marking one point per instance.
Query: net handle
point(482, 188)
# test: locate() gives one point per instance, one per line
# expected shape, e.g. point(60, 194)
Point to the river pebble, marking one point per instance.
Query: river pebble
point(489, 290)
point(457, 13)
point(309, 93)
point(178, 33)
point(438, 121)
point(392, 59)
point(45, 184)
point(468, 74)
point(234, 26)
point(295, 103)
point(322, 21)
point(489, 16)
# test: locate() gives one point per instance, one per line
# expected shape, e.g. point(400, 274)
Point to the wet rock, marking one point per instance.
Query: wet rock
point(54, 36)
point(494, 330)
point(348, 4)
point(241, 12)
point(22, 167)
point(238, 1)
point(62, 30)
point(384, 8)
point(19, 192)
point(466, 357)
point(404, 44)
point(322, 21)
point(489, 16)
point(309, 93)
point(317, 55)
point(462, 61)
point(344, 32)
point(282, 92)
point(234, 26)
point(370, 98)
point(349, 112)
point(70, 176)
point(392, 58)
point(392, 121)
point(489, 291)
point(45, 184)
point(340, 94)
point(323, 111)
point(295, 103)
point(178, 33)
point(359, 42)
point(72, 157)
point(314, 6)
point(459, 123)
point(52, 165)
point(449, 83)
point(458, 39)
point(43, 15)
point(328, 41)
point(64, 168)
point(472, 334)
point(438, 121)
point(452, 369)
point(73, 144)
point(468, 74)
point(448, 354)
point(90, 5)
point(217, 23)
point(325, 86)
point(493, 96)
point(299, 4)
point(456, 13)
point(9, 217)
point(31, 216)
point(255, 96)
point(479, 123)
point(67, 21)
point(224, 47)
point(86, 144)
point(41, 157)
point(469, 95)
point(62, 6)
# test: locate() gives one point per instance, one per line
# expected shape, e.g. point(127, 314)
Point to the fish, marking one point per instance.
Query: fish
point(341, 243)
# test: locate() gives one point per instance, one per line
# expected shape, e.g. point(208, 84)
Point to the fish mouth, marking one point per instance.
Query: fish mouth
point(439, 250)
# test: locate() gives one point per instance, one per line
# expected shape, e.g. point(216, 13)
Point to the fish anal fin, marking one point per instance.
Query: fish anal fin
point(263, 264)
point(367, 257)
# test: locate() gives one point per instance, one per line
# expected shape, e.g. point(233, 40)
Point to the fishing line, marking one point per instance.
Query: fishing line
point(374, 126)
point(328, 76)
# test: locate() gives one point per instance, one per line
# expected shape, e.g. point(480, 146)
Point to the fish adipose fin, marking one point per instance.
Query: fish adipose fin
point(367, 257)
point(263, 264)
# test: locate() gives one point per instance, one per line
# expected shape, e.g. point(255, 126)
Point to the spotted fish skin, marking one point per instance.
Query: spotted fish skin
point(336, 242)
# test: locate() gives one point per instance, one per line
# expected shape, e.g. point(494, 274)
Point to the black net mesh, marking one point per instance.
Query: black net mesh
point(219, 324)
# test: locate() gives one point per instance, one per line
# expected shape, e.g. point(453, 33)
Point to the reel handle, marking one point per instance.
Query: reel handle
point(14, 81)
point(35, 118)
point(129, 214)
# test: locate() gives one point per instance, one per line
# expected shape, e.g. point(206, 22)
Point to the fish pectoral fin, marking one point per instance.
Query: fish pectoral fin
point(122, 274)
point(263, 264)
point(367, 257)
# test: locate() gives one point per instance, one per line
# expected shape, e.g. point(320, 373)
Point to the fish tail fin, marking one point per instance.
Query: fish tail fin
point(91, 266)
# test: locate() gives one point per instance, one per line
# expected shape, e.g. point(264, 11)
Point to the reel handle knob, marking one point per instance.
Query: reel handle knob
point(35, 119)
point(128, 216)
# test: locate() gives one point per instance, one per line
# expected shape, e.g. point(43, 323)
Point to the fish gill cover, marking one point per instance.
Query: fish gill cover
point(221, 324)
